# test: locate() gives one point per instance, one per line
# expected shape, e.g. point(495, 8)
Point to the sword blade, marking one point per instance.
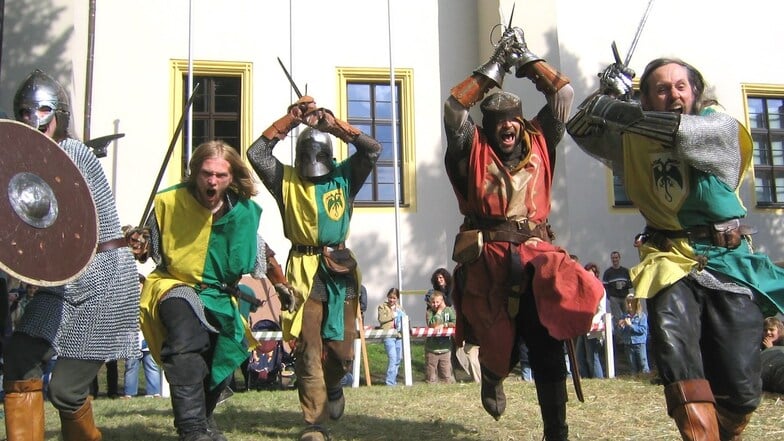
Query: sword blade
point(291, 80)
point(173, 142)
point(637, 34)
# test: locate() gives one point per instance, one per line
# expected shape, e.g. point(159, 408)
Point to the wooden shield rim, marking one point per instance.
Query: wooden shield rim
point(60, 253)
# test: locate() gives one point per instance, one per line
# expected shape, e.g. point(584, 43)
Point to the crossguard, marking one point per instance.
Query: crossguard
point(507, 33)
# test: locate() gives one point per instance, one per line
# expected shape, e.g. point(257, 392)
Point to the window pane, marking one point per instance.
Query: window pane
point(359, 109)
point(386, 174)
point(619, 191)
point(761, 148)
point(227, 103)
point(777, 149)
point(763, 188)
point(386, 192)
point(756, 113)
point(779, 187)
point(775, 113)
point(227, 129)
point(366, 193)
point(358, 92)
point(382, 93)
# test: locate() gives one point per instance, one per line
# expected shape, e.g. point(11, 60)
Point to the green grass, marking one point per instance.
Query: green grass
point(625, 408)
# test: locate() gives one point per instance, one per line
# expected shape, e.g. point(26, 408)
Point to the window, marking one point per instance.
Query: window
point(619, 197)
point(765, 107)
point(366, 95)
point(216, 109)
point(221, 105)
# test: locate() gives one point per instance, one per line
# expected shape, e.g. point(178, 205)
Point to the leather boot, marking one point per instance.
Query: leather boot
point(190, 414)
point(691, 404)
point(731, 424)
point(552, 403)
point(24, 410)
point(493, 396)
point(80, 425)
point(336, 403)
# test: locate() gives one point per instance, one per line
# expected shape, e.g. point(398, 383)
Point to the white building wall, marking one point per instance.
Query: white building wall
point(441, 40)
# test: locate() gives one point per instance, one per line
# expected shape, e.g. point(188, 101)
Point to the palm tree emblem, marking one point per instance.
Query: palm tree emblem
point(334, 203)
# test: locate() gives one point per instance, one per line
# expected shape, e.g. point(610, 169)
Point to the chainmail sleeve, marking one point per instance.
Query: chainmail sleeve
point(460, 130)
point(267, 166)
point(362, 162)
point(260, 268)
point(155, 251)
point(710, 143)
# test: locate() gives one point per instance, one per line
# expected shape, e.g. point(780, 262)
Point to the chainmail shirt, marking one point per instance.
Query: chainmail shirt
point(96, 316)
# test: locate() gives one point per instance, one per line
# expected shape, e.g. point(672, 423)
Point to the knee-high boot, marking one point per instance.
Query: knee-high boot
point(190, 412)
point(80, 425)
point(552, 402)
point(493, 396)
point(691, 404)
point(24, 410)
point(731, 424)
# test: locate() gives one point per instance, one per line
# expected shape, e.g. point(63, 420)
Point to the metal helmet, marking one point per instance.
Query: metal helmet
point(498, 106)
point(37, 91)
point(314, 154)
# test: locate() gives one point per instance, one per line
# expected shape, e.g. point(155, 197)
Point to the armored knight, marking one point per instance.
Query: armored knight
point(682, 160)
point(85, 322)
point(315, 199)
point(511, 282)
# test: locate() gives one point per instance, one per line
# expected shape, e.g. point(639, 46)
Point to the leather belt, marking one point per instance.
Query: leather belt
point(727, 234)
point(111, 245)
point(307, 249)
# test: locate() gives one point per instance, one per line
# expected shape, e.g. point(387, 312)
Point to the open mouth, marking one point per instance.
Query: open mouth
point(211, 192)
point(507, 136)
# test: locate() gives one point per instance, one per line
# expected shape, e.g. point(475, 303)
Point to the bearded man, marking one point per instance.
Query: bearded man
point(682, 160)
point(511, 282)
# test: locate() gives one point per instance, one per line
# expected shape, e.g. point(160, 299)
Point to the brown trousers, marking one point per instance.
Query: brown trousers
point(438, 367)
point(321, 364)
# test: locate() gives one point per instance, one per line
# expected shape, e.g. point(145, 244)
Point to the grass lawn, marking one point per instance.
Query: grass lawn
point(625, 408)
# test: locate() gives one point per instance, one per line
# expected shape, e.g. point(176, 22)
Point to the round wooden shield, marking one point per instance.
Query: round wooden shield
point(49, 223)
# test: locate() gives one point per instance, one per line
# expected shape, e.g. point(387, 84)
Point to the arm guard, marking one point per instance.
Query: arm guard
point(546, 78)
point(623, 116)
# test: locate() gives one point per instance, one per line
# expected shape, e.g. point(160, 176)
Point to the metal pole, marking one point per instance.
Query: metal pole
point(88, 85)
point(395, 157)
point(2, 28)
point(188, 147)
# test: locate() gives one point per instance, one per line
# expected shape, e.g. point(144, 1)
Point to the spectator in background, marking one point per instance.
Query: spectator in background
point(112, 376)
point(438, 366)
point(617, 283)
point(773, 333)
point(152, 373)
point(633, 329)
point(390, 316)
point(772, 356)
point(525, 364)
point(440, 280)
point(591, 345)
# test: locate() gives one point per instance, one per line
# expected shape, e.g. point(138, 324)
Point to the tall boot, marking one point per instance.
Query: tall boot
point(731, 424)
point(24, 410)
point(80, 425)
point(552, 402)
point(493, 396)
point(691, 404)
point(190, 414)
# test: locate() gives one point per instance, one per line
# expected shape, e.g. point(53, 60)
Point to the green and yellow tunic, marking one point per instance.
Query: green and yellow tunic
point(202, 254)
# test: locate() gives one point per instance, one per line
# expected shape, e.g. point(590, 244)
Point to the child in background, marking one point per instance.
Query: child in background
point(773, 334)
point(438, 365)
point(390, 316)
point(633, 329)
